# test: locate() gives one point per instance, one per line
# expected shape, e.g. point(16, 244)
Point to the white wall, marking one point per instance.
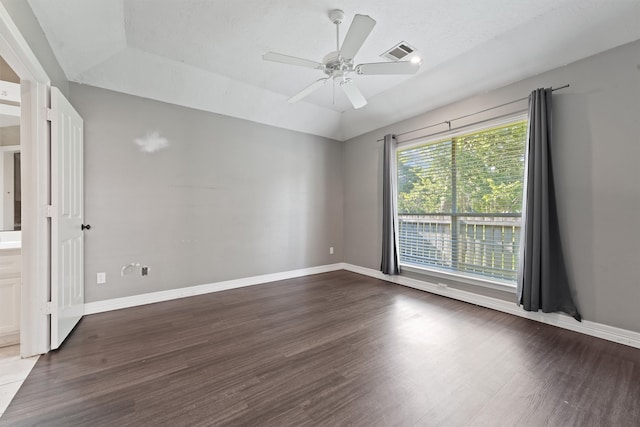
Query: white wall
point(596, 152)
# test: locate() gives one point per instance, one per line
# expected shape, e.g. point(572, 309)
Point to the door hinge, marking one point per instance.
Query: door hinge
point(49, 113)
point(48, 306)
point(49, 211)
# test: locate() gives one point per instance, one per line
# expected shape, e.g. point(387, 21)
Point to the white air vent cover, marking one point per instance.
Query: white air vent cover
point(399, 51)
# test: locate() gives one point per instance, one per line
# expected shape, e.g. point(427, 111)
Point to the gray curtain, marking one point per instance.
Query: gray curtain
point(389, 264)
point(542, 277)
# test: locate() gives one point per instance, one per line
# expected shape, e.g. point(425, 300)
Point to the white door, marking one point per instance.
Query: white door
point(67, 242)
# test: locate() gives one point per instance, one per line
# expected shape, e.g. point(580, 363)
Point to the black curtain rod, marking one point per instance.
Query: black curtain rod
point(448, 122)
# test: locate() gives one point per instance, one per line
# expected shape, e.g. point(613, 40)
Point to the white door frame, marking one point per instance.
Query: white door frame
point(34, 140)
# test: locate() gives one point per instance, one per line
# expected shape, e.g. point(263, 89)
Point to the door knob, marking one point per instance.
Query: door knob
point(85, 227)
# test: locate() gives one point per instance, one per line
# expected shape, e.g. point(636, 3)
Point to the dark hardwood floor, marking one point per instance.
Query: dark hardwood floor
point(330, 349)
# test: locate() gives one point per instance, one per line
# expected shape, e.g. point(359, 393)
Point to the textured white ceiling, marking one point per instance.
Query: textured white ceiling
point(206, 54)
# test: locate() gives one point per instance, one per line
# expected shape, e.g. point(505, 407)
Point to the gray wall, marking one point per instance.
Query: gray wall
point(227, 199)
point(25, 20)
point(596, 152)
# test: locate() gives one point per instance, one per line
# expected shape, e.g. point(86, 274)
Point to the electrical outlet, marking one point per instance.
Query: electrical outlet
point(144, 270)
point(101, 278)
point(331, 250)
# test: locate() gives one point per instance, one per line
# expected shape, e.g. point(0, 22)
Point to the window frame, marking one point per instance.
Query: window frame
point(457, 275)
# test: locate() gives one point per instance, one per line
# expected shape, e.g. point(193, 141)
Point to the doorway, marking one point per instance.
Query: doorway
point(34, 187)
point(10, 207)
point(12, 307)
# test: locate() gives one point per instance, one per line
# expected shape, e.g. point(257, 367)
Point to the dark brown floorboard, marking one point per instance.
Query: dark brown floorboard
point(330, 349)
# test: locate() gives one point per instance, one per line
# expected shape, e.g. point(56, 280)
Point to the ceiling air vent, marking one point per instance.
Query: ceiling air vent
point(399, 51)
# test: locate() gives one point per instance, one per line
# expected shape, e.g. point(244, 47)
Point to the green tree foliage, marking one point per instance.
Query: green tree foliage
point(489, 169)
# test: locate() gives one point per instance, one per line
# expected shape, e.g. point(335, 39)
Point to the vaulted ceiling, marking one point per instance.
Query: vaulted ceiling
point(207, 54)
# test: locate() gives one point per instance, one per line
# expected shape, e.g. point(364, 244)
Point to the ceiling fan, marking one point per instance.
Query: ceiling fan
point(338, 65)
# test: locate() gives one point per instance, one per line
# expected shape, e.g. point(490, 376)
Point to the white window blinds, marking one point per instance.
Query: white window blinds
point(459, 202)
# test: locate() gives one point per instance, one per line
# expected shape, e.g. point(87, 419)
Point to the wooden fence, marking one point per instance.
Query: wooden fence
point(484, 245)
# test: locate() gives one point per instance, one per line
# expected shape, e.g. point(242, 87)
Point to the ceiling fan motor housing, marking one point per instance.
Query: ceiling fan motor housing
point(335, 65)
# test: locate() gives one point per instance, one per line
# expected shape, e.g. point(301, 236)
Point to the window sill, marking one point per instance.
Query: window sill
point(462, 278)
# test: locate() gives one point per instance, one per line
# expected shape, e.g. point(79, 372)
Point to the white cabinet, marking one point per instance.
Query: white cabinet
point(10, 283)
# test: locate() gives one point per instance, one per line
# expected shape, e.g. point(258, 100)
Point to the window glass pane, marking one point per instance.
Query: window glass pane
point(490, 168)
point(424, 178)
point(488, 246)
point(481, 172)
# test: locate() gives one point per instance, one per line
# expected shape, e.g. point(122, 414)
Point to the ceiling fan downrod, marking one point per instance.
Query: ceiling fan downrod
point(337, 16)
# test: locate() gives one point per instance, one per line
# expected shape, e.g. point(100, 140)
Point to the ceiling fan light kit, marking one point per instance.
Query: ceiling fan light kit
point(338, 65)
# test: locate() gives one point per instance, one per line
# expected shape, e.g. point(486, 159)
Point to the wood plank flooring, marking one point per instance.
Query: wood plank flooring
point(330, 349)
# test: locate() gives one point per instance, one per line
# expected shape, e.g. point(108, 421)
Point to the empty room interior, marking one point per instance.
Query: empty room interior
point(297, 212)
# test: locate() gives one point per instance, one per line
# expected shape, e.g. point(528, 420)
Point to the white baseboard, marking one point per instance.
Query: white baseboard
point(594, 329)
point(610, 333)
point(153, 297)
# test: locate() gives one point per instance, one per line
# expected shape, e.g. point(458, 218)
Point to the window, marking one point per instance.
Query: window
point(460, 202)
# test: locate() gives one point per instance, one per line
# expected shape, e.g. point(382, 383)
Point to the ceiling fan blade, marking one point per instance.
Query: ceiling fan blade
point(308, 90)
point(357, 34)
point(353, 93)
point(292, 60)
point(402, 67)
